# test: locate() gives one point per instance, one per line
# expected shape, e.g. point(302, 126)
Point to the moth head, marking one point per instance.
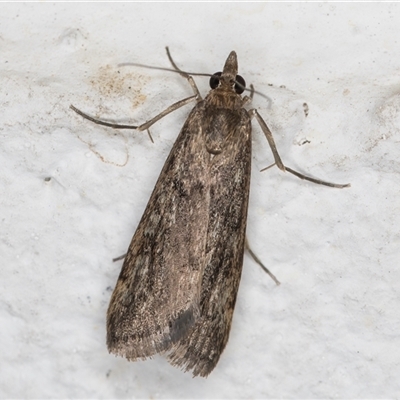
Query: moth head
point(229, 78)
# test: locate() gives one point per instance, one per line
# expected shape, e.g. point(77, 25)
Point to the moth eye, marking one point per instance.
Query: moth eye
point(240, 84)
point(214, 80)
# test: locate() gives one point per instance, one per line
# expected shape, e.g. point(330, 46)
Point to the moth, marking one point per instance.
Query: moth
point(177, 289)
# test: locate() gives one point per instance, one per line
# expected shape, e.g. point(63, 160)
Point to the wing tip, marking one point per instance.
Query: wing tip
point(138, 341)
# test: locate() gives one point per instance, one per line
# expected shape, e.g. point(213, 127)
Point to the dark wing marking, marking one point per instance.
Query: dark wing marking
point(230, 180)
point(157, 295)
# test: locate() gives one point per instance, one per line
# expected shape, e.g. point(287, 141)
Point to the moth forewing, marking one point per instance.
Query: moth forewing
point(200, 350)
point(156, 299)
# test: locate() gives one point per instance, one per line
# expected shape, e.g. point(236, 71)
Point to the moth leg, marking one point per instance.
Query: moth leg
point(142, 127)
point(270, 138)
point(278, 161)
point(185, 75)
point(251, 91)
point(151, 137)
point(257, 260)
point(167, 111)
point(308, 178)
point(248, 99)
point(119, 258)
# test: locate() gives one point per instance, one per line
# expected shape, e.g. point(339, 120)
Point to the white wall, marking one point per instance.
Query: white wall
point(331, 329)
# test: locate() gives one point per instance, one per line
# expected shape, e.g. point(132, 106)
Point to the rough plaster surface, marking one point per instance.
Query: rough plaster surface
point(73, 193)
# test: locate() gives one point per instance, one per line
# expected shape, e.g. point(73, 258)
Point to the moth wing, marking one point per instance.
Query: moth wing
point(157, 296)
point(230, 172)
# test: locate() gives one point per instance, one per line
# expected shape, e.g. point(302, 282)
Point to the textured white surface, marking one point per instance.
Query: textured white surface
point(331, 330)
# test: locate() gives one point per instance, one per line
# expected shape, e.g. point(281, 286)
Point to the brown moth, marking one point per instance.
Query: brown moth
point(177, 288)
